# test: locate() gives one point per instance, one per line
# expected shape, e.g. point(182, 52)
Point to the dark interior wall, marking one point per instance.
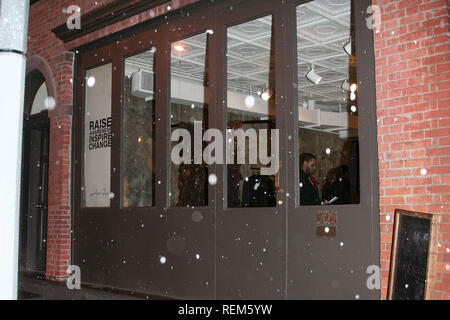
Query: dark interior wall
point(138, 150)
point(183, 115)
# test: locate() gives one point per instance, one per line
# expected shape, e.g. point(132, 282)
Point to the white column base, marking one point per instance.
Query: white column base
point(12, 79)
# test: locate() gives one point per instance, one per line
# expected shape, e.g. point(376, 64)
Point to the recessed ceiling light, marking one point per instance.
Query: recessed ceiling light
point(179, 47)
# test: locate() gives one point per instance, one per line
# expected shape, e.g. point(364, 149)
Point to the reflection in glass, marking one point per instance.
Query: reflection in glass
point(97, 137)
point(250, 106)
point(138, 131)
point(327, 104)
point(189, 90)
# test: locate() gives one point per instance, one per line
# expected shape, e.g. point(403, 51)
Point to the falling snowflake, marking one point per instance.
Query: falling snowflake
point(50, 103)
point(91, 81)
point(197, 216)
point(212, 179)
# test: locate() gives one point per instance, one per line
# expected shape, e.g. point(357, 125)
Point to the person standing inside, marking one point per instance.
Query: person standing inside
point(309, 193)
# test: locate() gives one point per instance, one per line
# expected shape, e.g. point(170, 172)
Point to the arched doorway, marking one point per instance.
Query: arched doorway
point(34, 183)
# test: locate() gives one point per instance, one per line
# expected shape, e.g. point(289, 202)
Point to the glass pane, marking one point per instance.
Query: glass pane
point(138, 131)
point(188, 185)
point(327, 104)
point(97, 138)
point(41, 100)
point(250, 113)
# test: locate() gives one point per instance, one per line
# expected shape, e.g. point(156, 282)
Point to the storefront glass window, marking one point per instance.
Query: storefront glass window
point(327, 104)
point(138, 131)
point(189, 88)
point(250, 112)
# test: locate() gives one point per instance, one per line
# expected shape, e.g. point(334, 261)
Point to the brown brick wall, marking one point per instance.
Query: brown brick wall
point(413, 113)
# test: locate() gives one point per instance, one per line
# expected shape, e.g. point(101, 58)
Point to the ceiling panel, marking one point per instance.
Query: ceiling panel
point(323, 28)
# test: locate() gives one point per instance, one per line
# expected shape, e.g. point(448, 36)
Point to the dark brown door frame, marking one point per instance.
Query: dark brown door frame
point(292, 221)
point(89, 224)
point(240, 274)
point(41, 123)
point(314, 264)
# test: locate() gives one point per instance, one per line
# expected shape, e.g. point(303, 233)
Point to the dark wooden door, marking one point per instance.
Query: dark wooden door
point(34, 194)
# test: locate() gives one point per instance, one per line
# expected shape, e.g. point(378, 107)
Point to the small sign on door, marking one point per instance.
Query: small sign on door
point(326, 222)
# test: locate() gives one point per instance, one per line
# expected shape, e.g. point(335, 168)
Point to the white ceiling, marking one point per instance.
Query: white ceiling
point(323, 28)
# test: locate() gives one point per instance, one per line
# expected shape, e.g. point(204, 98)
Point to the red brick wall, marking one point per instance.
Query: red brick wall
point(413, 109)
point(59, 217)
point(45, 15)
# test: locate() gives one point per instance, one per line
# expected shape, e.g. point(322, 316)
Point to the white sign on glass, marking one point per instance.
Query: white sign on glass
point(97, 137)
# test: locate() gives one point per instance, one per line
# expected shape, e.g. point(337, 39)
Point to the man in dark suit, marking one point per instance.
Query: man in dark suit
point(309, 193)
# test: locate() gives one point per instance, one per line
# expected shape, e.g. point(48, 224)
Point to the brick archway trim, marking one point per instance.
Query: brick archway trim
point(38, 63)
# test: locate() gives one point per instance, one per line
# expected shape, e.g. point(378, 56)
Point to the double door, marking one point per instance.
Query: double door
point(231, 230)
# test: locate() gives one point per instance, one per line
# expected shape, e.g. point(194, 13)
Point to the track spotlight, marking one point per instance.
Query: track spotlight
point(265, 94)
point(312, 76)
point(348, 47)
point(349, 87)
point(345, 85)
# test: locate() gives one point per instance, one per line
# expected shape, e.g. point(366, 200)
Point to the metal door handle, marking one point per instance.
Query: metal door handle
point(38, 205)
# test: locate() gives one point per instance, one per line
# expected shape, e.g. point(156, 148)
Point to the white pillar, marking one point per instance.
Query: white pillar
point(13, 39)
